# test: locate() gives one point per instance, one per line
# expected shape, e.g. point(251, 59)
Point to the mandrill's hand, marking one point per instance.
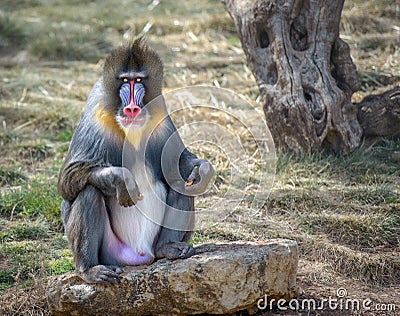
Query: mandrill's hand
point(127, 190)
point(116, 181)
point(199, 178)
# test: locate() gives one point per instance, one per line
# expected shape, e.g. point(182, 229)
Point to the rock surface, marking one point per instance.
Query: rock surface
point(219, 279)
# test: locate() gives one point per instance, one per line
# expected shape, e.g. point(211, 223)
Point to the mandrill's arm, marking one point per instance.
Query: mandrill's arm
point(116, 181)
point(111, 181)
point(197, 173)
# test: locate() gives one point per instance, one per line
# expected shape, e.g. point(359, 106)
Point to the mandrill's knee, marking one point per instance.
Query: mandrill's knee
point(88, 205)
point(88, 196)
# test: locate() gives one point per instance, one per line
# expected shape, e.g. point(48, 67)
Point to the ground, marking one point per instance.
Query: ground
point(342, 210)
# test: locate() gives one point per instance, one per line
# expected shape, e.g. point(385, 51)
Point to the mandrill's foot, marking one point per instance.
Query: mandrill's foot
point(102, 274)
point(175, 250)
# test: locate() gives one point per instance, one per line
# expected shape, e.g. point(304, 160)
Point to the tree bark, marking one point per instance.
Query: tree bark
point(303, 69)
point(379, 115)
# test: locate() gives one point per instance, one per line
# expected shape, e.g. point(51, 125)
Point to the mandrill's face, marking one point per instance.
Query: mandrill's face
point(132, 77)
point(131, 112)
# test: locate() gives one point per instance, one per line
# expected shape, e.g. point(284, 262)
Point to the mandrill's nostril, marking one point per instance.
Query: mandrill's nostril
point(132, 111)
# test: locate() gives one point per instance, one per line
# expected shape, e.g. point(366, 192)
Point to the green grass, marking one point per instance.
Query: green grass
point(18, 231)
point(9, 176)
point(9, 5)
point(33, 200)
point(27, 259)
point(362, 166)
point(67, 45)
point(12, 31)
point(358, 230)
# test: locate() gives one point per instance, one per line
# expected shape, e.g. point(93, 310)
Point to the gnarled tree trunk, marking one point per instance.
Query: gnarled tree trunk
point(304, 72)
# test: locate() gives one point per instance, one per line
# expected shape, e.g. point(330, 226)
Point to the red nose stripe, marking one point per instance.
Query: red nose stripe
point(132, 94)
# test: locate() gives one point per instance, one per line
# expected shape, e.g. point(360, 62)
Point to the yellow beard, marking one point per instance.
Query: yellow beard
point(107, 120)
point(134, 135)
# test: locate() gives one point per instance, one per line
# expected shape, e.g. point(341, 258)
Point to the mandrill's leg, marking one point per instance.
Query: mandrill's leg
point(179, 218)
point(178, 225)
point(86, 226)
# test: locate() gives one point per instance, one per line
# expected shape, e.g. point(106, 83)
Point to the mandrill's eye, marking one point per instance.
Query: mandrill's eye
point(138, 79)
point(125, 79)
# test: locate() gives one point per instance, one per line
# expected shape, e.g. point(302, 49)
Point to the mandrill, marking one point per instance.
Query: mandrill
point(127, 209)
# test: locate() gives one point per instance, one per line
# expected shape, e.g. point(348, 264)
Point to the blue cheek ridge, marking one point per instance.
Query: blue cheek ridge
point(124, 93)
point(139, 92)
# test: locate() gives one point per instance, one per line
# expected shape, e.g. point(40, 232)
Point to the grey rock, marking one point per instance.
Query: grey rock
point(219, 279)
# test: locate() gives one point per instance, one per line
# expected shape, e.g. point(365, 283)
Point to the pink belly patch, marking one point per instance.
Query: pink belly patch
point(121, 252)
point(127, 256)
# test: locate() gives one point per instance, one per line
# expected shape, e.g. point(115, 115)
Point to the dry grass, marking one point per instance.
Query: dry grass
point(343, 211)
point(25, 301)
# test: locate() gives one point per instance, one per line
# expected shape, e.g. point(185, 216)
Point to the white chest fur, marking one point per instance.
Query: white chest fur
point(138, 225)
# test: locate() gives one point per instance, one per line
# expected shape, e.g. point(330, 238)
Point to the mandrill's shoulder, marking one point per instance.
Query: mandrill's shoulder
point(96, 95)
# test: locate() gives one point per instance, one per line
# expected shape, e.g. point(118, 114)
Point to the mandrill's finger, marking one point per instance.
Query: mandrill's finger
point(126, 201)
point(193, 176)
point(189, 182)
